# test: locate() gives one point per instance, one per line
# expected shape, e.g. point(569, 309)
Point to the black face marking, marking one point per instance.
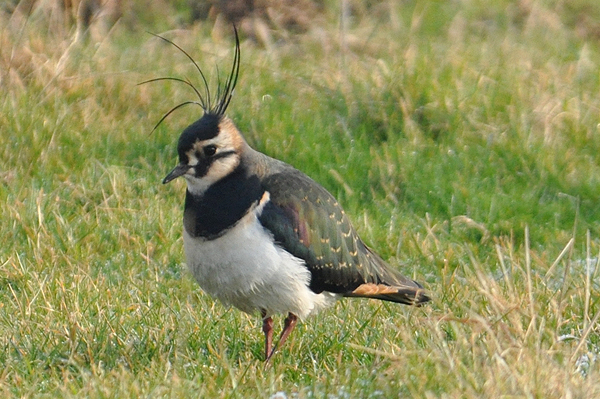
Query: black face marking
point(204, 162)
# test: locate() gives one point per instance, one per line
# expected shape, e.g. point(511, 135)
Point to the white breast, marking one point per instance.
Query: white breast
point(244, 268)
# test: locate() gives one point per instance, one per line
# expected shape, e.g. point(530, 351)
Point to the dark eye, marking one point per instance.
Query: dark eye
point(209, 150)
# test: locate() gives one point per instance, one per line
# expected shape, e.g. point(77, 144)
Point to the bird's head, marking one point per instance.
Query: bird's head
point(210, 148)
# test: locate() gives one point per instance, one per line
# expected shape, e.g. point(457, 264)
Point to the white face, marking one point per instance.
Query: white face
point(213, 159)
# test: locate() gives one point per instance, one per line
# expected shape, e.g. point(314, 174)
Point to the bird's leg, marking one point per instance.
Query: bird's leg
point(288, 327)
point(268, 330)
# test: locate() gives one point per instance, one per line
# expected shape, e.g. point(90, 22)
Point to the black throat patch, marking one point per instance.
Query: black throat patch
point(210, 215)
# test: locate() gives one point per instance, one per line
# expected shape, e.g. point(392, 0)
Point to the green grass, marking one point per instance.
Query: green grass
point(463, 141)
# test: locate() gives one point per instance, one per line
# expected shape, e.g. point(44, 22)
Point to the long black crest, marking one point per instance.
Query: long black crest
point(205, 100)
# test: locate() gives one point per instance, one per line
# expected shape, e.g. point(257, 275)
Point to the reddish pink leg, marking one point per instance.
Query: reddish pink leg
point(288, 327)
point(268, 330)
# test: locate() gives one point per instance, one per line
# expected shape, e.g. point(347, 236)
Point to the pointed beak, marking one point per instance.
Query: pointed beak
point(179, 170)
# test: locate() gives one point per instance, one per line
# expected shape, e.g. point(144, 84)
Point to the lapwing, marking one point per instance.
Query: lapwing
point(261, 235)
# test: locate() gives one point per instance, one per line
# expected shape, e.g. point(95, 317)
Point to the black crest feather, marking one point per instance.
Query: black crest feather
point(211, 106)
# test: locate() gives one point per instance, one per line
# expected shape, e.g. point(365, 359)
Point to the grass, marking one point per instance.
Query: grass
point(462, 141)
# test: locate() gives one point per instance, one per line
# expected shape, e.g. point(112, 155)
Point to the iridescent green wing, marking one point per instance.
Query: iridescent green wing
point(308, 222)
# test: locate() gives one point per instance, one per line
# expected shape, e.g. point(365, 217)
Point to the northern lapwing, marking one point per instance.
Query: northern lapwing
point(261, 235)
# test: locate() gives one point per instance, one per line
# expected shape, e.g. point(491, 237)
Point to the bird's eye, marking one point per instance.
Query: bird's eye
point(210, 150)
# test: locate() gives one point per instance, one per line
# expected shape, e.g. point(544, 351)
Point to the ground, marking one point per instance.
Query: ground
point(461, 139)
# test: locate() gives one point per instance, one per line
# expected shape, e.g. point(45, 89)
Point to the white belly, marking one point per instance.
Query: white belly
point(244, 268)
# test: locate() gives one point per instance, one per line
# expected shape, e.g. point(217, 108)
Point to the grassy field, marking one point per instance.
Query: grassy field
point(461, 137)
